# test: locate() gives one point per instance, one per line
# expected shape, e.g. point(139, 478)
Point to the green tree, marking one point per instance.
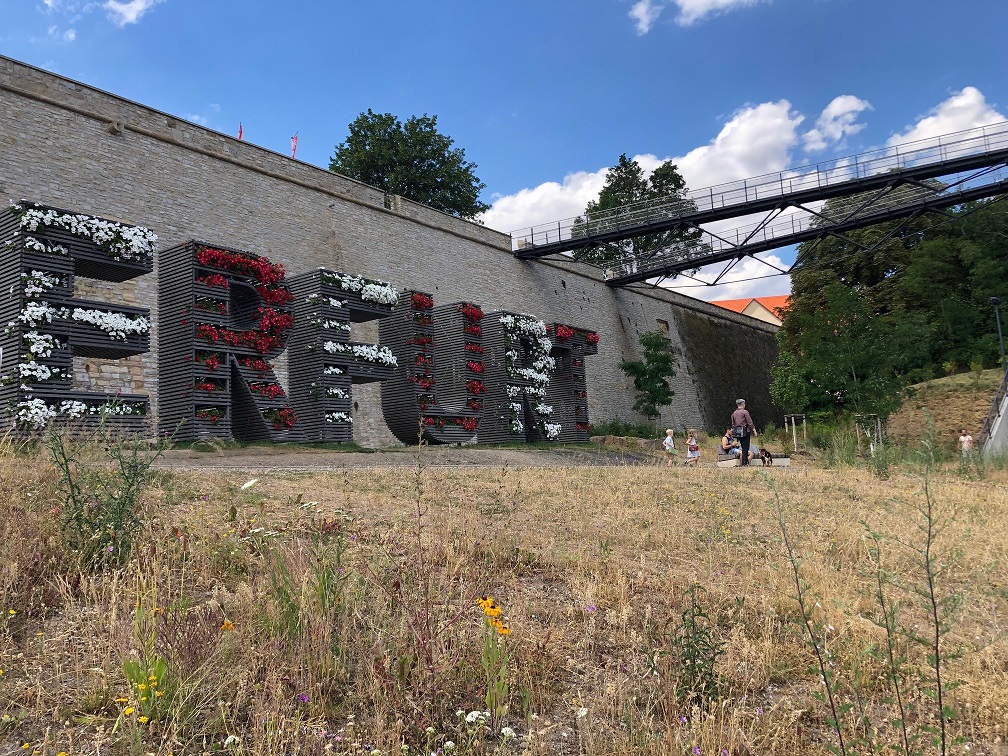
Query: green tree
point(412, 160)
point(651, 375)
point(629, 196)
point(885, 306)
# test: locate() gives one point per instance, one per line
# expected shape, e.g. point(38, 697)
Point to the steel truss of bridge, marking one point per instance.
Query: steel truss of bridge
point(706, 226)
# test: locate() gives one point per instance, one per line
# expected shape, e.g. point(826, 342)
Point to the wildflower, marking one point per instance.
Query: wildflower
point(582, 713)
point(11, 612)
point(507, 733)
point(1, 673)
point(62, 753)
point(249, 484)
point(141, 720)
point(128, 710)
point(158, 693)
point(141, 686)
point(683, 720)
point(26, 746)
point(449, 745)
point(430, 730)
point(696, 750)
point(152, 679)
point(303, 698)
point(121, 700)
point(227, 626)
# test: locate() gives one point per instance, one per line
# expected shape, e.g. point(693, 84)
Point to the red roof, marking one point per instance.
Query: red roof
point(774, 304)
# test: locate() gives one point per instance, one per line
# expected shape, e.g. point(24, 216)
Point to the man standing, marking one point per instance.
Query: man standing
point(966, 444)
point(742, 419)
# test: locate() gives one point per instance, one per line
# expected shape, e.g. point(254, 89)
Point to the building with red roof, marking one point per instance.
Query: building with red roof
point(767, 309)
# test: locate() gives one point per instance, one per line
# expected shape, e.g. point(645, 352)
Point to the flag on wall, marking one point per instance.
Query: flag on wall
point(294, 144)
point(239, 131)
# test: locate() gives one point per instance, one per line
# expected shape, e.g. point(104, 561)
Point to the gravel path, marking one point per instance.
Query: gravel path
point(262, 458)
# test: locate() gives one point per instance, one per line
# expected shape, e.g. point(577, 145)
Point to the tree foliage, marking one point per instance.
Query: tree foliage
point(891, 307)
point(663, 192)
point(412, 160)
point(651, 375)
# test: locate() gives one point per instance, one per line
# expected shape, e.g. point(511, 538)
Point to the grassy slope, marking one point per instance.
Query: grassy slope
point(953, 402)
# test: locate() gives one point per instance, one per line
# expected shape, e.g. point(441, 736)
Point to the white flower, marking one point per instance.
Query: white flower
point(36, 313)
point(40, 344)
point(582, 712)
point(552, 430)
point(119, 242)
point(38, 282)
point(337, 393)
point(338, 417)
point(34, 412)
point(73, 409)
point(332, 370)
point(507, 733)
point(115, 324)
point(366, 352)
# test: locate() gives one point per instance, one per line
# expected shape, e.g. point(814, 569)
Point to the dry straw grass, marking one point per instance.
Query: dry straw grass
point(314, 613)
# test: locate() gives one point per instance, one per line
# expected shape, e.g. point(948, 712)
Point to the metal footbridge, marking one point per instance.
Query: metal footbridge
point(723, 224)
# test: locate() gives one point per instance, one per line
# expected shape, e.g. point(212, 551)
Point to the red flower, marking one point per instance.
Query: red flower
point(474, 348)
point(563, 332)
point(475, 387)
point(592, 337)
point(472, 329)
point(421, 301)
point(476, 367)
point(471, 311)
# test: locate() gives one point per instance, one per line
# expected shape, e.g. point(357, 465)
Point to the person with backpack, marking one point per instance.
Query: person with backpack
point(743, 429)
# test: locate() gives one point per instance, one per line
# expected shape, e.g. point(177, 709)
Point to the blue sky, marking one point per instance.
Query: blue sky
point(544, 96)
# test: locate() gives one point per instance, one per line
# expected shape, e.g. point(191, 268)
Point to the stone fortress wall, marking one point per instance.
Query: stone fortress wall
point(72, 146)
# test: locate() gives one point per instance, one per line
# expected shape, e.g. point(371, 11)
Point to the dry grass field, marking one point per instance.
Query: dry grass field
point(643, 610)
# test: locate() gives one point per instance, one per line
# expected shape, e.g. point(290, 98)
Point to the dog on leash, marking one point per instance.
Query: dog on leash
point(766, 457)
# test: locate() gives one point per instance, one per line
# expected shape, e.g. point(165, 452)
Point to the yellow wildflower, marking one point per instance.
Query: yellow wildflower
point(227, 626)
point(141, 720)
point(504, 630)
point(121, 700)
point(26, 746)
point(152, 678)
point(158, 693)
point(11, 612)
point(128, 710)
point(142, 686)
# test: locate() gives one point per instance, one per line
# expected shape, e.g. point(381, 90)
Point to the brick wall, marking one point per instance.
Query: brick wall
point(72, 146)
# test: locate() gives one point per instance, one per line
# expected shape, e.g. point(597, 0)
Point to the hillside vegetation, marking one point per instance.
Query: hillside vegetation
point(954, 402)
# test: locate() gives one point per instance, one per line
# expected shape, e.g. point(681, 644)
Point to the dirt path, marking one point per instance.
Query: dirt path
point(261, 458)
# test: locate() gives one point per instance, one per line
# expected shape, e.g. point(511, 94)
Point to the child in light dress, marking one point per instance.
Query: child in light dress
point(669, 446)
point(692, 449)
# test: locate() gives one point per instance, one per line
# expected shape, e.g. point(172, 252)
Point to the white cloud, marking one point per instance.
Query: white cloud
point(645, 13)
point(201, 120)
point(123, 13)
point(836, 122)
point(966, 109)
point(691, 11)
point(749, 278)
point(70, 35)
point(757, 139)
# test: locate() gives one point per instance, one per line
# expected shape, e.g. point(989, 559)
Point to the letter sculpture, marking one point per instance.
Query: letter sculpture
point(224, 315)
point(323, 363)
point(43, 248)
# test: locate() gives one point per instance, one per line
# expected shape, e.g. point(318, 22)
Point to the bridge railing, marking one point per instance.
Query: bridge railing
point(931, 151)
point(790, 224)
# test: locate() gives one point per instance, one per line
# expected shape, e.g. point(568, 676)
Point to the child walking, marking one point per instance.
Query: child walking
point(669, 446)
point(692, 449)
